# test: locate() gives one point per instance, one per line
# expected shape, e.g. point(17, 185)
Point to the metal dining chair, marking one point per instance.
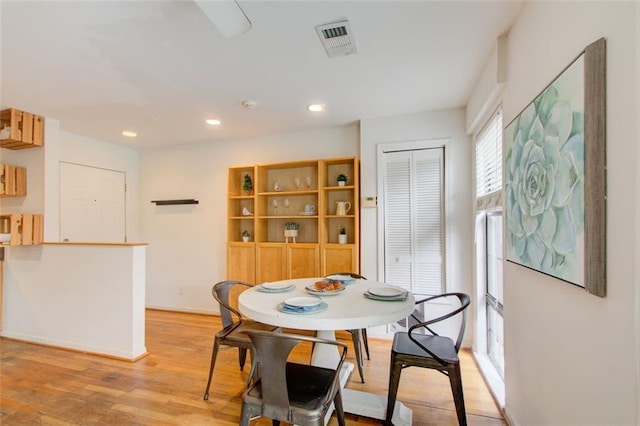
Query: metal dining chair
point(358, 336)
point(422, 347)
point(233, 327)
point(295, 393)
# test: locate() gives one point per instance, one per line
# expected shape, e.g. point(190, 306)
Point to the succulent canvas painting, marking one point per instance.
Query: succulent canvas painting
point(544, 180)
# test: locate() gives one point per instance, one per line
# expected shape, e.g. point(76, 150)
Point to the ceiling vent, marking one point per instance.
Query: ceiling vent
point(337, 39)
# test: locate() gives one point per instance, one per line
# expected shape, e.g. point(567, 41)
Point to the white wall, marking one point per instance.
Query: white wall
point(569, 355)
point(637, 278)
point(187, 243)
point(73, 148)
point(486, 93)
point(447, 124)
point(43, 175)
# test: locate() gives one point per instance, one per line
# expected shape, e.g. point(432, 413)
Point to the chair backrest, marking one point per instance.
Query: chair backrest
point(272, 352)
point(351, 274)
point(464, 300)
point(221, 292)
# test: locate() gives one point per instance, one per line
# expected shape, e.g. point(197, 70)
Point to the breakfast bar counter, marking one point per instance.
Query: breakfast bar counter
point(88, 297)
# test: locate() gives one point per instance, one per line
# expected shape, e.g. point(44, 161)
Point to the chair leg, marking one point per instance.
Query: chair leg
point(455, 379)
point(356, 337)
point(395, 369)
point(337, 404)
point(214, 354)
point(242, 357)
point(253, 373)
point(365, 340)
point(245, 417)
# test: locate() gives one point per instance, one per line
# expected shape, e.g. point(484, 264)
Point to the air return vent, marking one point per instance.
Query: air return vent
point(337, 39)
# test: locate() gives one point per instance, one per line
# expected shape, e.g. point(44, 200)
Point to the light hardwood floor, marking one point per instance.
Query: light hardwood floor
point(42, 385)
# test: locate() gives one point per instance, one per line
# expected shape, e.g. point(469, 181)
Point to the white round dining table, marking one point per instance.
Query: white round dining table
point(345, 310)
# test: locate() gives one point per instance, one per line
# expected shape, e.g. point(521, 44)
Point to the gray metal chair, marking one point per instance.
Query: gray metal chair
point(233, 327)
point(286, 391)
point(359, 336)
point(416, 348)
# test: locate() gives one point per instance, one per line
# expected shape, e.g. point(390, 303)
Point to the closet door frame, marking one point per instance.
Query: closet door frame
point(387, 147)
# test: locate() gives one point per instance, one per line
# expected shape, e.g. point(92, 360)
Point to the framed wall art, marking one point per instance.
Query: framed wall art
point(555, 176)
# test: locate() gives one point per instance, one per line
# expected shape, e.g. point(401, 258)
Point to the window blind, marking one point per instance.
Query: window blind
point(489, 163)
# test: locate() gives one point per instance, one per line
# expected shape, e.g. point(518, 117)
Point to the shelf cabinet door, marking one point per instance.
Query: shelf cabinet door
point(271, 262)
point(303, 260)
point(241, 262)
point(339, 258)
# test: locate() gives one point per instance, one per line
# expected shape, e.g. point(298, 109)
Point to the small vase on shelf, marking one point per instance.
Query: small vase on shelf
point(290, 231)
point(342, 236)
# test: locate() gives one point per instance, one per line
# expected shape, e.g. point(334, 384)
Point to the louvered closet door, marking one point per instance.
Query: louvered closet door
point(413, 220)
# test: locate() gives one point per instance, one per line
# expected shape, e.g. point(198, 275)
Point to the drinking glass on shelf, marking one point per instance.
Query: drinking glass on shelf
point(296, 180)
point(307, 180)
point(286, 206)
point(274, 203)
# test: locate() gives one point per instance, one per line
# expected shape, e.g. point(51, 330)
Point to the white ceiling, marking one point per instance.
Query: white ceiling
point(160, 68)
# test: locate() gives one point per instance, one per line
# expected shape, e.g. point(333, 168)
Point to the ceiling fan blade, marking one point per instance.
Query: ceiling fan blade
point(226, 15)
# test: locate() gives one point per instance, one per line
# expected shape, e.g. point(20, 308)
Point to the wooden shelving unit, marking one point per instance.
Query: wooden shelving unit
point(21, 229)
point(13, 181)
point(280, 193)
point(20, 129)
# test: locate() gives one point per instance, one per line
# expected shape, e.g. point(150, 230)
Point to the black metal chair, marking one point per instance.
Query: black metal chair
point(416, 348)
point(285, 391)
point(233, 327)
point(359, 336)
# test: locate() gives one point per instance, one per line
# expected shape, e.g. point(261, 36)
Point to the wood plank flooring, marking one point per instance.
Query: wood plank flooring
point(42, 385)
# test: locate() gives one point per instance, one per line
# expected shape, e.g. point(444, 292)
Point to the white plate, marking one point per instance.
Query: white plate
point(341, 278)
point(277, 290)
point(387, 291)
point(303, 301)
point(308, 213)
point(276, 285)
point(302, 311)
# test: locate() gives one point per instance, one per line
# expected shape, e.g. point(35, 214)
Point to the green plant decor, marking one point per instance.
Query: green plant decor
point(247, 184)
point(341, 178)
point(342, 231)
point(245, 233)
point(291, 226)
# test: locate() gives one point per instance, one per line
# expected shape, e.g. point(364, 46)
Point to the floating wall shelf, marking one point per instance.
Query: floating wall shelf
point(174, 202)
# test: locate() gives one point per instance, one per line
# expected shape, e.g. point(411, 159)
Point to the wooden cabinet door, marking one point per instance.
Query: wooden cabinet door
point(339, 258)
point(271, 261)
point(241, 262)
point(303, 260)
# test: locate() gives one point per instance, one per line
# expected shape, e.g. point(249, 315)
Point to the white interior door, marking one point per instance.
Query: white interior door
point(92, 204)
point(413, 219)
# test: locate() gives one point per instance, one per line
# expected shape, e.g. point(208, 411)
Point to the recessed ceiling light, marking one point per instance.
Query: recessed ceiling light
point(129, 134)
point(316, 108)
point(213, 122)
